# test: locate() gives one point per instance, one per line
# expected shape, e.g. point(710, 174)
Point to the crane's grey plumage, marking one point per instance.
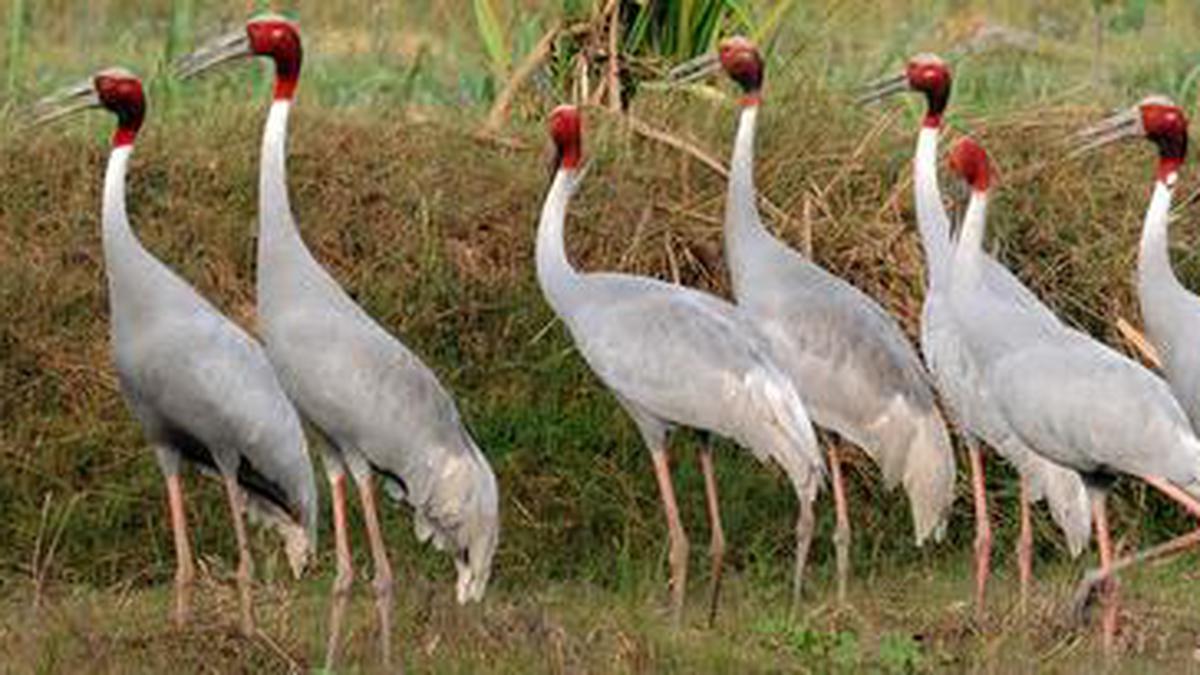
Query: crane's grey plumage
point(379, 406)
point(202, 388)
point(956, 372)
point(1070, 399)
point(676, 356)
point(951, 364)
point(380, 410)
point(856, 372)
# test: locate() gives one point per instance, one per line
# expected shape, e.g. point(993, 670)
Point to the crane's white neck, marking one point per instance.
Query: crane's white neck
point(968, 253)
point(744, 230)
point(1154, 261)
point(115, 219)
point(555, 274)
point(277, 228)
point(118, 239)
point(932, 221)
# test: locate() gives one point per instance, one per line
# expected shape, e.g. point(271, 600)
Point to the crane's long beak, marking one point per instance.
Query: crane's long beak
point(221, 50)
point(695, 69)
point(882, 88)
point(1125, 124)
point(68, 101)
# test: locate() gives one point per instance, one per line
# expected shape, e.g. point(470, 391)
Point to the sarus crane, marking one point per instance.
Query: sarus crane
point(675, 356)
point(379, 410)
point(855, 370)
point(201, 387)
point(1070, 399)
point(955, 375)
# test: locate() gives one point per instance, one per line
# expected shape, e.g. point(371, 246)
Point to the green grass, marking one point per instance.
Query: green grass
point(899, 620)
point(431, 230)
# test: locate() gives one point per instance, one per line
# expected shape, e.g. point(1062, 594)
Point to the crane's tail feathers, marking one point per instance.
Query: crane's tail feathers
point(929, 474)
point(789, 438)
point(1067, 497)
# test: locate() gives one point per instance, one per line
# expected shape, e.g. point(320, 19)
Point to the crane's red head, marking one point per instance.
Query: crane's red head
point(930, 75)
point(270, 35)
point(1155, 118)
point(566, 128)
point(120, 92)
point(969, 160)
point(744, 65)
point(1165, 125)
point(278, 38)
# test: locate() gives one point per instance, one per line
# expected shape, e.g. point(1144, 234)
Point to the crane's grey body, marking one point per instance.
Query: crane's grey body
point(378, 406)
point(856, 372)
point(959, 372)
point(1066, 396)
point(1171, 313)
point(677, 356)
point(201, 387)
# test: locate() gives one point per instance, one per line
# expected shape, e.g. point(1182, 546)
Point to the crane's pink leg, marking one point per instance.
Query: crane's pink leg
point(983, 528)
point(717, 546)
point(841, 534)
point(345, 568)
point(383, 567)
point(1167, 548)
point(679, 542)
point(185, 570)
point(1109, 597)
point(245, 568)
point(1025, 546)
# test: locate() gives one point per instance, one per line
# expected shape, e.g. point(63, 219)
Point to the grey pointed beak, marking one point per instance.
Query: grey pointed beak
point(881, 89)
point(695, 69)
point(65, 102)
point(221, 50)
point(1123, 125)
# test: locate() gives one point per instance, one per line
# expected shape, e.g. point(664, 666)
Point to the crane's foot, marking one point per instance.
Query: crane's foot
point(181, 614)
point(384, 600)
point(715, 592)
point(337, 611)
point(1085, 596)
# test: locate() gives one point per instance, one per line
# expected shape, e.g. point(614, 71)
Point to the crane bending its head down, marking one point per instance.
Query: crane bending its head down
point(969, 161)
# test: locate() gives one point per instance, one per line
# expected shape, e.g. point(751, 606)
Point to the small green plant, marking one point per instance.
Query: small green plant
point(899, 653)
point(838, 649)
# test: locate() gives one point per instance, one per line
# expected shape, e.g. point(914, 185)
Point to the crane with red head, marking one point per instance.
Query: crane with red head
point(856, 371)
point(676, 357)
point(1171, 312)
point(202, 388)
point(381, 411)
point(942, 346)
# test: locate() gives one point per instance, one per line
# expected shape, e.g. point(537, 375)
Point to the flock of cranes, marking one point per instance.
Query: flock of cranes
point(796, 347)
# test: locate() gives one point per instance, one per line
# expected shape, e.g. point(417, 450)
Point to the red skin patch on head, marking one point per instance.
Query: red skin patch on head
point(1167, 127)
point(969, 160)
point(280, 41)
point(122, 96)
point(933, 79)
point(566, 128)
point(744, 65)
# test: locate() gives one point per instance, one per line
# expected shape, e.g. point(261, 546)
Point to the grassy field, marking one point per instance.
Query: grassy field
point(430, 225)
